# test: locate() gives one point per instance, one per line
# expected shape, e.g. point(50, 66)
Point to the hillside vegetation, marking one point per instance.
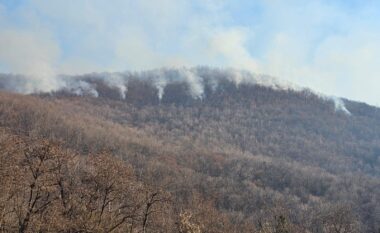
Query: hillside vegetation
point(203, 153)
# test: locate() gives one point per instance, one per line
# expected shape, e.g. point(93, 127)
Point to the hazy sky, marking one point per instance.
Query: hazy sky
point(330, 46)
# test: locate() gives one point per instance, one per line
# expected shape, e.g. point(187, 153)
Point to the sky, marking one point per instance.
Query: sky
point(331, 46)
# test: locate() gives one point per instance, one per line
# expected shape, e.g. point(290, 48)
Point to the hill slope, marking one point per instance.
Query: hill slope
point(260, 155)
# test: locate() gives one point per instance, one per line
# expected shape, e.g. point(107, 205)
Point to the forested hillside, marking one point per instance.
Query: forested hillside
point(194, 150)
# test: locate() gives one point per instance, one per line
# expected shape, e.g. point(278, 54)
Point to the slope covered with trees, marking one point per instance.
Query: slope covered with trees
point(229, 157)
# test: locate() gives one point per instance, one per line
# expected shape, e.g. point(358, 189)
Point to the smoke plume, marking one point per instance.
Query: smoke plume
point(196, 80)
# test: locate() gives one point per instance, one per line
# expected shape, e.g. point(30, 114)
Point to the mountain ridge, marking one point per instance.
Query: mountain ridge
point(254, 153)
point(196, 78)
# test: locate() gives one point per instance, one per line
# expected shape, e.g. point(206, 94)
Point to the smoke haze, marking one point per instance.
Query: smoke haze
point(197, 79)
point(306, 43)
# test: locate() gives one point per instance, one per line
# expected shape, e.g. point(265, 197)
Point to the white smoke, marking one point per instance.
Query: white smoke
point(237, 77)
point(160, 83)
point(194, 81)
point(339, 105)
point(246, 77)
point(117, 80)
point(164, 76)
point(31, 54)
point(338, 102)
point(195, 78)
point(82, 88)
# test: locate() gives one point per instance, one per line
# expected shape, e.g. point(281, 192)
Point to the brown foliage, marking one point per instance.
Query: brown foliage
point(218, 162)
point(47, 189)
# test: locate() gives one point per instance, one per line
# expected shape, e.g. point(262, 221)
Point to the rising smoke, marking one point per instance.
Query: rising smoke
point(194, 78)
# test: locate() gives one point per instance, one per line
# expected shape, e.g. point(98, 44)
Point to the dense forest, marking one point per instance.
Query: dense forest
point(186, 150)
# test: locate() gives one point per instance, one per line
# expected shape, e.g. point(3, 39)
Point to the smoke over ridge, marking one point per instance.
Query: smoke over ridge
point(196, 81)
